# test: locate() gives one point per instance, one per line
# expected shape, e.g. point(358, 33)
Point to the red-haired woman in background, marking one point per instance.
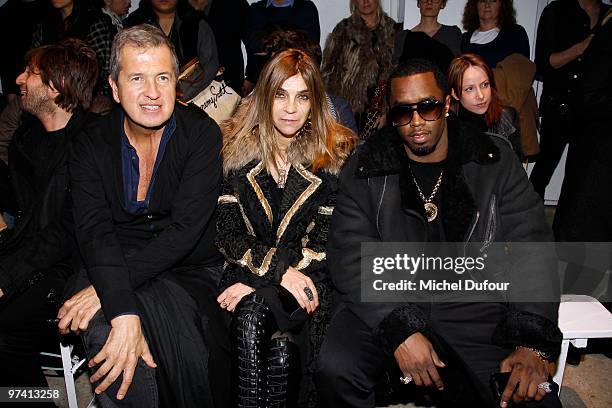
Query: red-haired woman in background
point(473, 88)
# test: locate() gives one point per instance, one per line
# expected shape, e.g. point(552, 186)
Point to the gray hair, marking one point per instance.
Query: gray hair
point(142, 36)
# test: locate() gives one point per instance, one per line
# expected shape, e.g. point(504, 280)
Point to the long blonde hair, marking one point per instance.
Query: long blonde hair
point(379, 10)
point(322, 143)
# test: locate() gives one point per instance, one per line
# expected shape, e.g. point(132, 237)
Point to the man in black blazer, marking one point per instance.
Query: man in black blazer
point(35, 255)
point(146, 179)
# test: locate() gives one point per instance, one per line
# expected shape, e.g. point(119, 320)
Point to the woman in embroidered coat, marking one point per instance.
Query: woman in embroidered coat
point(282, 152)
point(358, 55)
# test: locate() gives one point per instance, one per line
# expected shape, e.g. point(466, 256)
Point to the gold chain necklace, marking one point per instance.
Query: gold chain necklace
point(431, 210)
point(283, 172)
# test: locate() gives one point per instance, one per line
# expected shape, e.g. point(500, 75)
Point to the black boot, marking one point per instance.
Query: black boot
point(251, 329)
point(283, 374)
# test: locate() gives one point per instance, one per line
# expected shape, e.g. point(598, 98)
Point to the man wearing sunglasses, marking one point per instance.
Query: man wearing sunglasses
point(426, 178)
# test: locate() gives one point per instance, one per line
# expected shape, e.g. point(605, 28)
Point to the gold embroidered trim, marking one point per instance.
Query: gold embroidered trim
point(308, 256)
point(326, 210)
point(260, 195)
point(227, 199)
point(310, 227)
point(314, 184)
point(247, 222)
point(247, 261)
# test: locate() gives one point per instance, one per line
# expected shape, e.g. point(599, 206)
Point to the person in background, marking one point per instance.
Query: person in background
point(79, 19)
point(117, 11)
point(583, 211)
point(282, 152)
point(265, 16)
point(18, 20)
point(358, 56)
point(228, 19)
point(281, 40)
point(447, 35)
point(35, 256)
point(473, 88)
point(492, 31)
point(565, 30)
point(188, 32)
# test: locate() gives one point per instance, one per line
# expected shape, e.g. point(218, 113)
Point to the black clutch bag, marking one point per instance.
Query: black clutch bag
point(290, 305)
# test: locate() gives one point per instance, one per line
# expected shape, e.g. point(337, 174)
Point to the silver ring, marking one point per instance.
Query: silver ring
point(406, 380)
point(308, 293)
point(223, 304)
point(545, 386)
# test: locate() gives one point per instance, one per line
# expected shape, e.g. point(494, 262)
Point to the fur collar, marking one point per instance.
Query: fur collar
point(383, 155)
point(241, 150)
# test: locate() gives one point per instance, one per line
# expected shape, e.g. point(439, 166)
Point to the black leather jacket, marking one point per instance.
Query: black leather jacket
point(487, 198)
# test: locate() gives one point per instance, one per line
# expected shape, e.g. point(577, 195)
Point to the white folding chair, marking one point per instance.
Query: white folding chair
point(581, 318)
point(70, 365)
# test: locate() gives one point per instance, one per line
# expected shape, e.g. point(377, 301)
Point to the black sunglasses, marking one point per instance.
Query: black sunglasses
point(429, 110)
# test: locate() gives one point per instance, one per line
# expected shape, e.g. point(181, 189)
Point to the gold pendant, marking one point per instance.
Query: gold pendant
point(431, 211)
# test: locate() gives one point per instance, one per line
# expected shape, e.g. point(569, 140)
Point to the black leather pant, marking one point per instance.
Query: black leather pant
point(265, 367)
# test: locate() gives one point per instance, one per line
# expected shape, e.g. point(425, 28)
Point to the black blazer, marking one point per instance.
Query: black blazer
point(43, 238)
point(122, 251)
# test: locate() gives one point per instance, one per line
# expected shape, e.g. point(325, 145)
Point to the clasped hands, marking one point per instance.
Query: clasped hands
point(418, 360)
point(293, 280)
point(124, 345)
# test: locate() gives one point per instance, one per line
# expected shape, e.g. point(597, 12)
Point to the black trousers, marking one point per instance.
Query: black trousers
point(348, 371)
point(556, 126)
point(24, 333)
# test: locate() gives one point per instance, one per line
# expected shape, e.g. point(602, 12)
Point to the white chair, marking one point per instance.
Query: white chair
point(580, 318)
point(70, 365)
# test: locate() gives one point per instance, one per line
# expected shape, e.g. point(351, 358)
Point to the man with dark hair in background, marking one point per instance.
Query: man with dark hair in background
point(35, 257)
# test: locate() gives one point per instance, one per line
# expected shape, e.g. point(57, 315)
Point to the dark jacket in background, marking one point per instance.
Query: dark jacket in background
point(123, 251)
point(583, 212)
point(563, 24)
point(191, 36)
point(262, 20)
point(342, 112)
point(18, 20)
point(228, 19)
point(420, 45)
point(87, 24)
point(43, 238)
point(486, 198)
point(510, 40)
point(450, 36)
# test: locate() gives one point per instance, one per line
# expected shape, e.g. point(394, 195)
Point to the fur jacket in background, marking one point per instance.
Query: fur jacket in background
point(354, 63)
